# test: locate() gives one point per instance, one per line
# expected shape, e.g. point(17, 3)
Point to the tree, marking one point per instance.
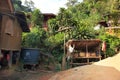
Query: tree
point(65, 18)
point(83, 17)
point(112, 42)
point(71, 3)
point(114, 11)
point(28, 7)
point(17, 5)
point(30, 4)
point(52, 26)
point(37, 18)
point(34, 39)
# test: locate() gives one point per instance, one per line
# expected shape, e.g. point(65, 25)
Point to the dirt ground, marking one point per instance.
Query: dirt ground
point(38, 74)
point(107, 69)
point(89, 72)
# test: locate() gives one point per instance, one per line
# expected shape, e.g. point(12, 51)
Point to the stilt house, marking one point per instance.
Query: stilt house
point(12, 24)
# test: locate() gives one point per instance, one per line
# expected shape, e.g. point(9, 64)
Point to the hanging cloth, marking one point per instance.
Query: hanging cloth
point(104, 46)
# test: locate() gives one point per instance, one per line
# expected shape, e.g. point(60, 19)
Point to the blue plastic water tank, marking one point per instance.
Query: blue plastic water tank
point(30, 56)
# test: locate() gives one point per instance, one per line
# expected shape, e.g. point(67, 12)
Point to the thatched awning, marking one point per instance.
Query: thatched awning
point(20, 16)
point(91, 44)
point(22, 21)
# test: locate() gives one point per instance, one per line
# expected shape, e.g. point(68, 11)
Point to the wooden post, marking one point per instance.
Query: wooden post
point(99, 53)
point(1, 55)
point(87, 60)
point(64, 57)
point(18, 57)
point(71, 65)
point(86, 50)
point(10, 60)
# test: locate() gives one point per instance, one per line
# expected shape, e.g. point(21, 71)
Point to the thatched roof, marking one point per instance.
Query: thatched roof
point(21, 18)
point(91, 44)
point(22, 21)
point(7, 8)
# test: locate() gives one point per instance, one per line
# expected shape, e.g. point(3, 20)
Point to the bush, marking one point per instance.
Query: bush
point(34, 39)
point(111, 43)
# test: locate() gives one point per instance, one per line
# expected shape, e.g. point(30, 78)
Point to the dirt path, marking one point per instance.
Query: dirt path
point(110, 62)
point(25, 75)
point(89, 72)
point(107, 69)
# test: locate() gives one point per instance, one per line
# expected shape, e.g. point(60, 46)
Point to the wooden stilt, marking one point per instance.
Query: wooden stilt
point(64, 56)
point(87, 51)
point(99, 53)
point(87, 60)
point(18, 57)
point(1, 55)
point(10, 60)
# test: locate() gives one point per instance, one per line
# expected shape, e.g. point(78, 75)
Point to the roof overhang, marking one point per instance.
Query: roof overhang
point(22, 21)
point(83, 44)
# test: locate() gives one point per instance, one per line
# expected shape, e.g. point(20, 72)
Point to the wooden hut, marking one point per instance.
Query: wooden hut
point(12, 24)
point(85, 51)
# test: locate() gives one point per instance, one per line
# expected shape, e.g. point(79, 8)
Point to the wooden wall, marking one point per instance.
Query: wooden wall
point(6, 6)
point(10, 37)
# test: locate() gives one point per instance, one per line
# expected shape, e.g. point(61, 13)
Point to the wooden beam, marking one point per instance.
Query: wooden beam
point(10, 61)
point(113, 27)
point(90, 57)
point(11, 5)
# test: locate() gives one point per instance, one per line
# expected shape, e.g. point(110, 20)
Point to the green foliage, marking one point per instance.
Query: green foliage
point(19, 7)
point(54, 41)
point(52, 26)
point(110, 52)
point(37, 18)
point(30, 4)
point(82, 17)
point(112, 42)
point(54, 44)
point(34, 39)
point(71, 3)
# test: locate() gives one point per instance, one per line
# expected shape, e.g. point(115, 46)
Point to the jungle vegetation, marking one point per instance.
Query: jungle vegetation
point(81, 17)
